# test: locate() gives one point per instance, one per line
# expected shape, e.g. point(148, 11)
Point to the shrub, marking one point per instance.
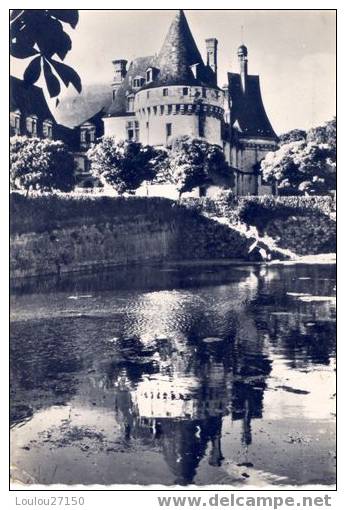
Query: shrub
point(40, 165)
point(48, 211)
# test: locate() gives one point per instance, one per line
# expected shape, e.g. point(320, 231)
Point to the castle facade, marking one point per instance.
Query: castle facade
point(175, 93)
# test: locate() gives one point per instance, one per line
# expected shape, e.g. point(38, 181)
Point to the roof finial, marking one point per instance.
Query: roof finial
point(242, 34)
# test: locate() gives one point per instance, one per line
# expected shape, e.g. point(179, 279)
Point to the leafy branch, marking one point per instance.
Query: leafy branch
point(39, 33)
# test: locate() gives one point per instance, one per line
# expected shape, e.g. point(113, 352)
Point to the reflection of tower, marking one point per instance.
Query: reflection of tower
point(251, 368)
point(185, 443)
point(180, 407)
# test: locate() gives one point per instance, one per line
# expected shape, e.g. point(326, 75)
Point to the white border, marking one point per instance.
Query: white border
point(144, 499)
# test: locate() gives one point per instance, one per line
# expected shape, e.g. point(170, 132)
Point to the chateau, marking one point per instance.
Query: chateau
point(174, 93)
point(157, 98)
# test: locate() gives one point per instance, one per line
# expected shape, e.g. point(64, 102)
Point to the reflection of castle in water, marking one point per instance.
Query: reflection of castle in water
point(180, 407)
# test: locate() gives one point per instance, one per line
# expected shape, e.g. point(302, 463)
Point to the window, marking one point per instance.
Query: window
point(91, 136)
point(47, 129)
point(87, 135)
point(149, 75)
point(130, 103)
point(138, 82)
point(185, 91)
point(165, 92)
point(31, 125)
point(148, 94)
point(15, 122)
point(204, 92)
point(168, 130)
point(114, 94)
point(132, 128)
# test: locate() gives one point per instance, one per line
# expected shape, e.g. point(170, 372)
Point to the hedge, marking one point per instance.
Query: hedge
point(46, 212)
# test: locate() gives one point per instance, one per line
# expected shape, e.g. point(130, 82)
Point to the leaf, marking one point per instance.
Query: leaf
point(33, 71)
point(68, 75)
point(65, 45)
point(52, 82)
point(51, 38)
point(70, 16)
point(21, 50)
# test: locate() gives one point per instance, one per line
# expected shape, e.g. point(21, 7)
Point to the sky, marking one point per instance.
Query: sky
point(294, 52)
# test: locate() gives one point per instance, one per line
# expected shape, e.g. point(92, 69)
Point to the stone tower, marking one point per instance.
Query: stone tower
point(250, 135)
point(172, 94)
point(175, 93)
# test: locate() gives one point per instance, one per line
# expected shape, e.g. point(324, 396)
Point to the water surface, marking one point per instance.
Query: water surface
point(175, 375)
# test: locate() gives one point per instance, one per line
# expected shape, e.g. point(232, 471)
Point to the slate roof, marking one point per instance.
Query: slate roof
point(247, 108)
point(178, 53)
point(29, 100)
point(74, 109)
point(138, 67)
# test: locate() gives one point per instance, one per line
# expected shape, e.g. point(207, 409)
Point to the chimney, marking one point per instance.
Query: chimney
point(242, 57)
point(119, 73)
point(211, 45)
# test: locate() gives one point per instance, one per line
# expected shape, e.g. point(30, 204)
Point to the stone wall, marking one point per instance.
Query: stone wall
point(91, 240)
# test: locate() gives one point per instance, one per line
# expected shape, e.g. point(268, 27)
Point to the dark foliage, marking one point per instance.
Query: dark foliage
point(39, 33)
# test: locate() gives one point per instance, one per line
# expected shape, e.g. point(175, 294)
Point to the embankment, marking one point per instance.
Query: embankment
point(55, 234)
point(303, 225)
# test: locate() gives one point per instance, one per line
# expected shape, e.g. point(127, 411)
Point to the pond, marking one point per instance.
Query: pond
point(175, 375)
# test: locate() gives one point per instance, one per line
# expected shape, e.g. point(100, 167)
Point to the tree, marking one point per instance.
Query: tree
point(294, 135)
point(304, 166)
point(39, 33)
point(325, 134)
point(193, 163)
point(40, 165)
point(123, 165)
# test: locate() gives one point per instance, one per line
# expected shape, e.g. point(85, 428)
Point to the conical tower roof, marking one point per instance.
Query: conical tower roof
point(178, 53)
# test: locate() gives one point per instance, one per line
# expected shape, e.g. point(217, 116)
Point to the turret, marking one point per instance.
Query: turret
point(242, 57)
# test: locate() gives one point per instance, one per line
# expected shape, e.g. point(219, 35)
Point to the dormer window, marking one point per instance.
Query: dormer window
point(87, 135)
point(47, 129)
point(15, 122)
point(31, 125)
point(151, 74)
point(138, 82)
